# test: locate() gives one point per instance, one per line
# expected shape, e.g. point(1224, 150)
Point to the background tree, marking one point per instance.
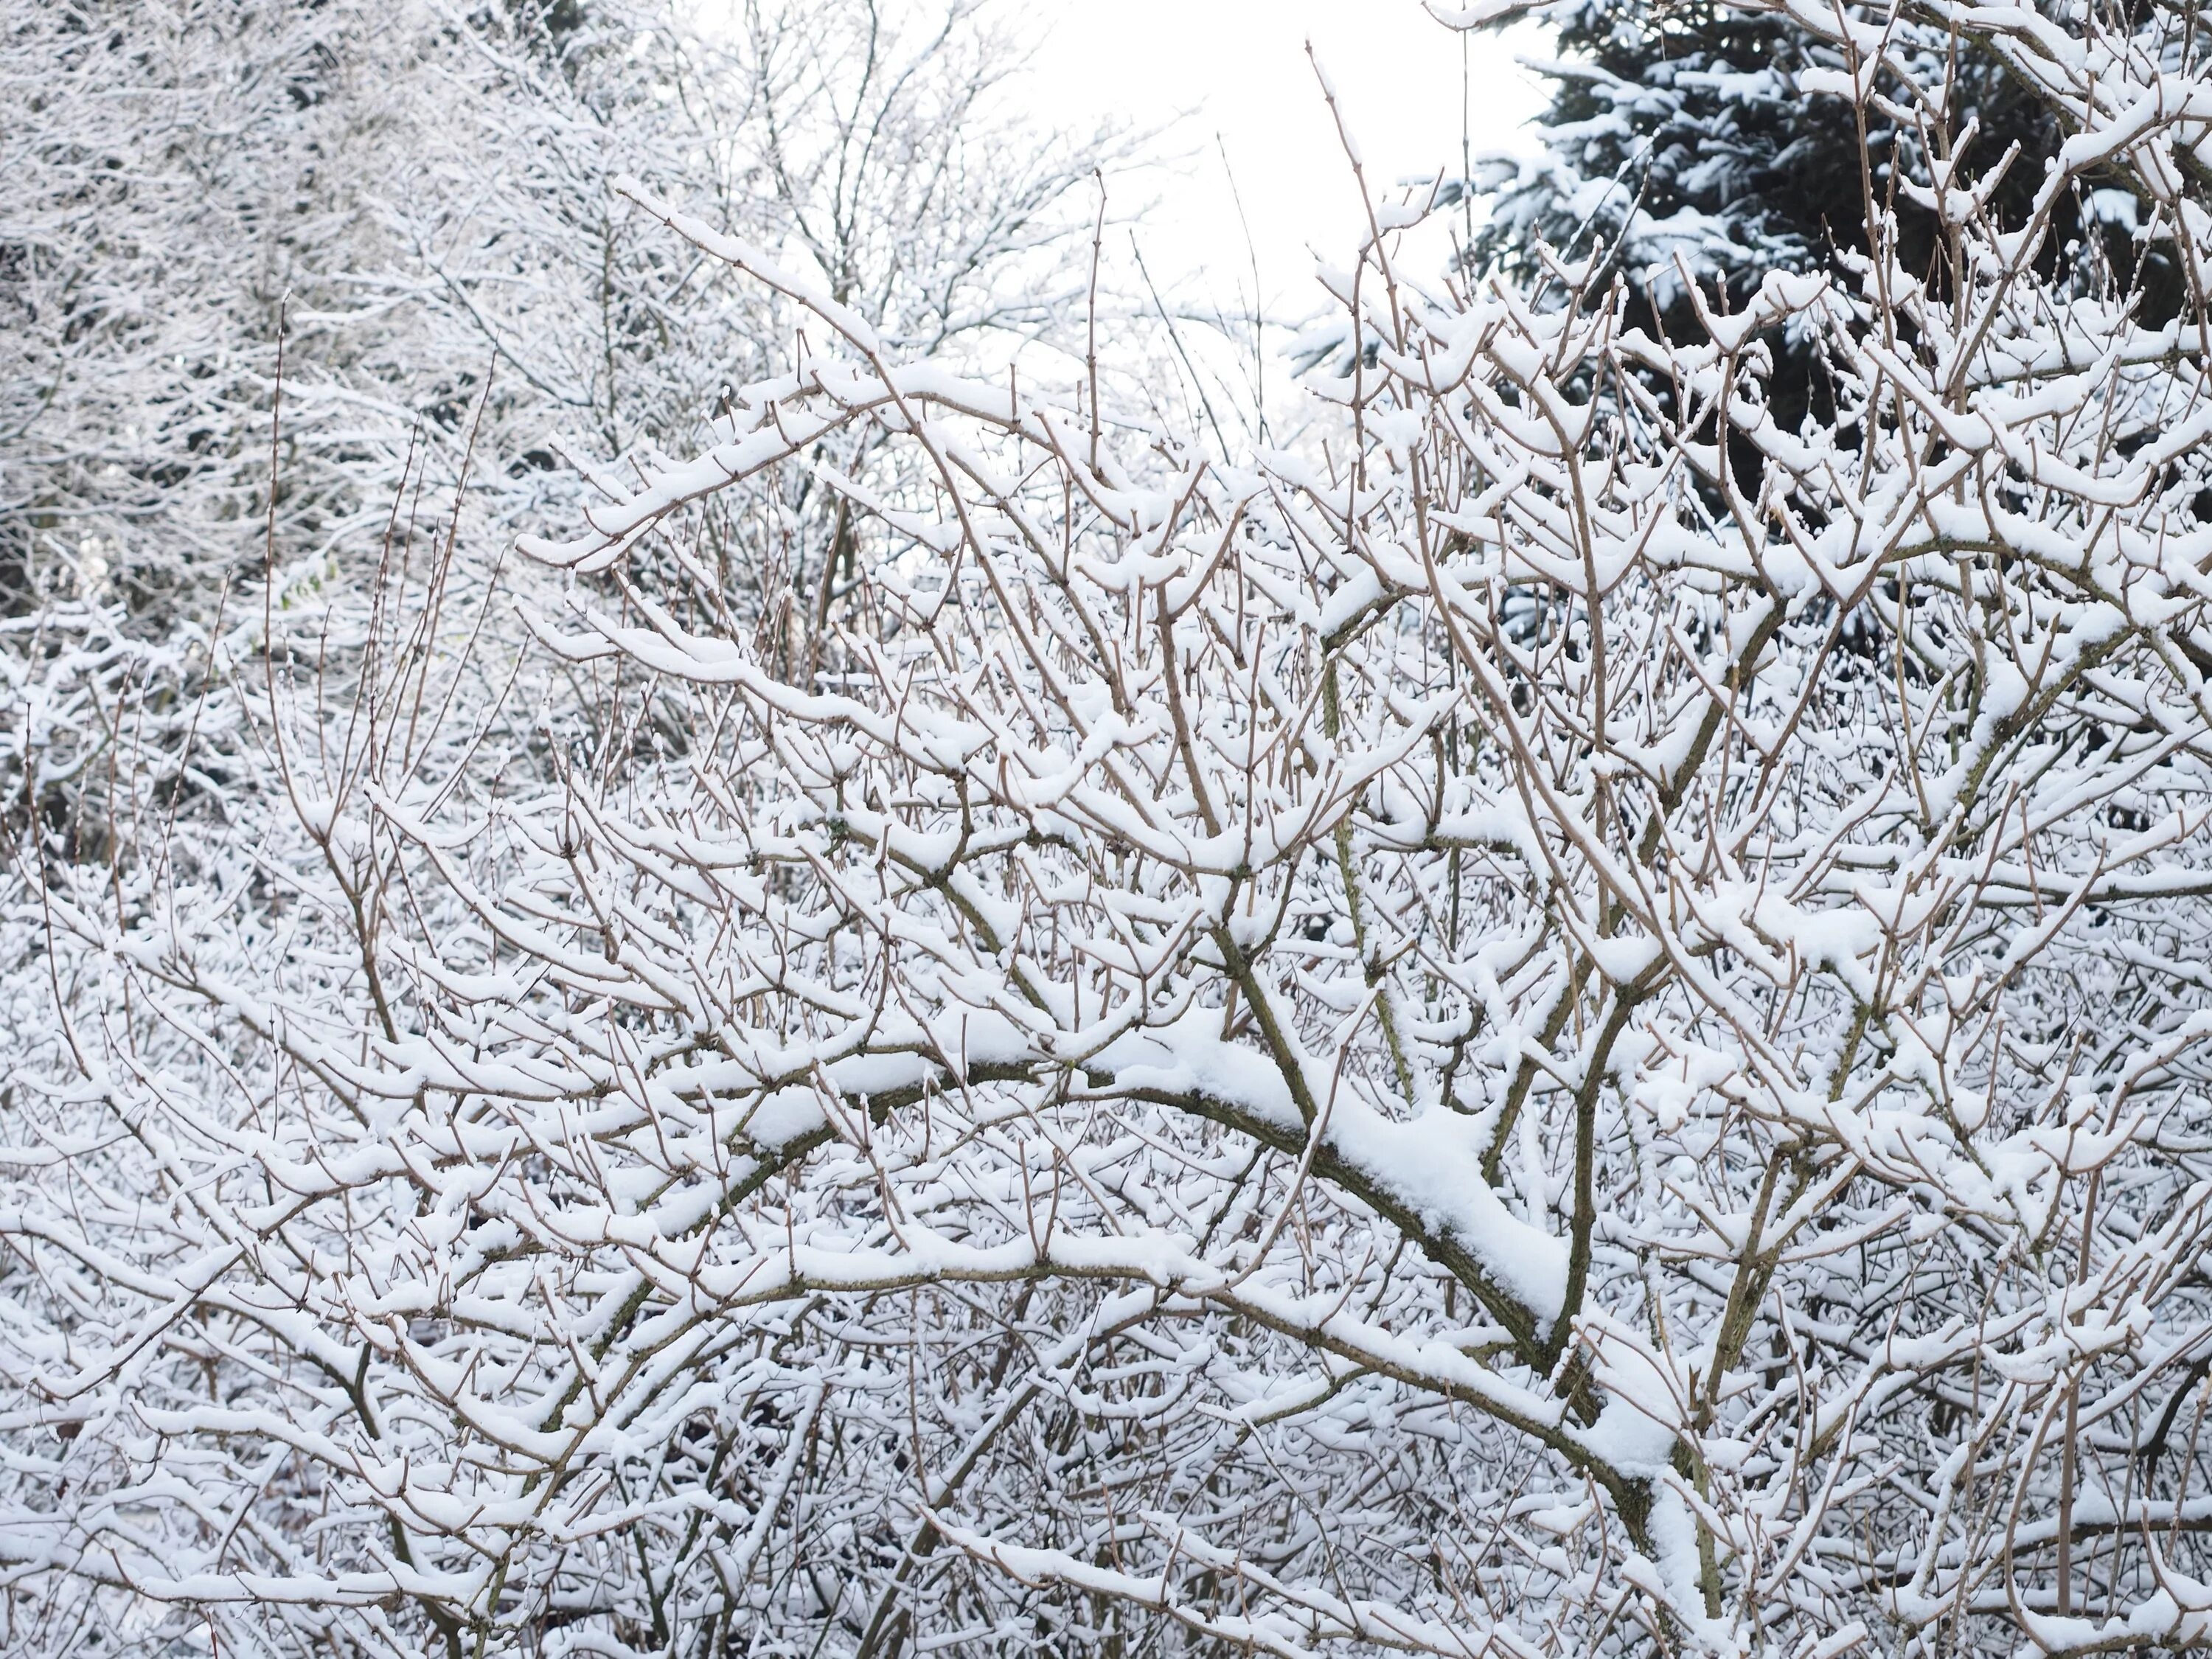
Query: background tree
point(419, 200)
point(426, 198)
point(1684, 143)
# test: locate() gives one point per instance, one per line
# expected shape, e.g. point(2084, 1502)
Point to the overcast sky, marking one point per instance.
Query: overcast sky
point(1238, 69)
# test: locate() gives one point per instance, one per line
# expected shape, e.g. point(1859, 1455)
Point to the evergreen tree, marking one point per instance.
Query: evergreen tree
point(1690, 137)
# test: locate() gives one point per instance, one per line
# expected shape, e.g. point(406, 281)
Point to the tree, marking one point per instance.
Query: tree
point(1489, 1042)
point(406, 214)
point(188, 181)
point(1688, 143)
point(422, 198)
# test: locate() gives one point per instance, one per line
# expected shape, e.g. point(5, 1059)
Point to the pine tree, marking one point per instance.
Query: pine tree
point(1689, 137)
point(1680, 129)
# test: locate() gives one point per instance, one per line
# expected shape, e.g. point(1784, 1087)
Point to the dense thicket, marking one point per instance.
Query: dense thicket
point(1572, 1022)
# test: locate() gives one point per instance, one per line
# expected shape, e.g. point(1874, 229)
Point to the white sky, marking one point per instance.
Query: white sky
point(1238, 69)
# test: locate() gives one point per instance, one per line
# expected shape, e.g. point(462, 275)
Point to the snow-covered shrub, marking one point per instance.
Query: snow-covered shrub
point(1574, 1024)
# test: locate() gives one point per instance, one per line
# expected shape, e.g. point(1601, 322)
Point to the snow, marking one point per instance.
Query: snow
point(1537, 1018)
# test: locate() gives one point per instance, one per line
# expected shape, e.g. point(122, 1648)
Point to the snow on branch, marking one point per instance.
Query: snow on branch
point(1569, 1019)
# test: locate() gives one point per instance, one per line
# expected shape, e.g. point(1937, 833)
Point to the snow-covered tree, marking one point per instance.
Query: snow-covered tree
point(423, 195)
point(1513, 1037)
point(418, 199)
point(1682, 144)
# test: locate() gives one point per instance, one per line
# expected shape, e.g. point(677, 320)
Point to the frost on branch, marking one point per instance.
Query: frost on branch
point(1573, 1023)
